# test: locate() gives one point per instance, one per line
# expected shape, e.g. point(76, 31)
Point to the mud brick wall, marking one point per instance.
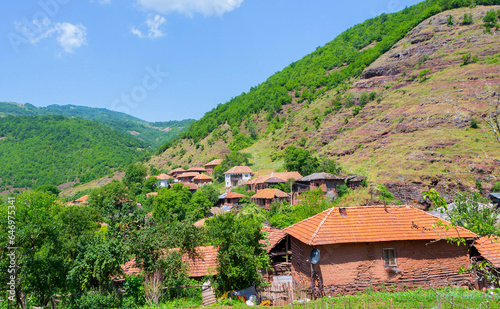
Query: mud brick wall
point(352, 268)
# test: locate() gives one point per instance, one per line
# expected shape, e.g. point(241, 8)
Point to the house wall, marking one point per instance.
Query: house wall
point(201, 182)
point(351, 268)
point(231, 177)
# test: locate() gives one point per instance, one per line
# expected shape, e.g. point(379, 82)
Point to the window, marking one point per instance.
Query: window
point(389, 257)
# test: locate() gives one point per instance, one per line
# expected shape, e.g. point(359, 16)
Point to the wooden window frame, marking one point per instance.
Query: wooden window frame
point(387, 259)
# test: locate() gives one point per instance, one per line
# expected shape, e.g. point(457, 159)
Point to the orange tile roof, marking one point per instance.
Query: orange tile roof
point(239, 170)
point(203, 262)
point(83, 199)
point(372, 224)
point(272, 237)
point(196, 169)
point(234, 195)
point(151, 194)
point(214, 162)
point(284, 176)
point(191, 186)
point(200, 222)
point(202, 177)
point(270, 194)
point(188, 174)
point(489, 248)
point(177, 170)
point(163, 176)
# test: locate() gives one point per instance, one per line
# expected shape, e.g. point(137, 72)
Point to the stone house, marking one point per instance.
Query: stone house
point(202, 179)
point(364, 247)
point(487, 249)
point(265, 197)
point(176, 172)
point(237, 175)
point(210, 166)
point(263, 182)
point(230, 199)
point(187, 177)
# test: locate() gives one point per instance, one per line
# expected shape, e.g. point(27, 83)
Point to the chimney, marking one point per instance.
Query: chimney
point(343, 212)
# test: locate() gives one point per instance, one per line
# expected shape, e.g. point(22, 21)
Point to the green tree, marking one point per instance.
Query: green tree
point(172, 203)
point(112, 201)
point(300, 160)
point(135, 174)
point(240, 254)
point(49, 188)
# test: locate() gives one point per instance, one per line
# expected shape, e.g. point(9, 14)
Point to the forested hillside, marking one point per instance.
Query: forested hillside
point(38, 150)
point(328, 67)
point(153, 134)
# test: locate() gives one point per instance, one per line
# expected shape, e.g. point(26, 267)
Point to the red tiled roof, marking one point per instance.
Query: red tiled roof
point(191, 186)
point(188, 174)
point(196, 169)
point(202, 177)
point(151, 194)
point(214, 162)
point(163, 176)
point(270, 194)
point(284, 176)
point(177, 170)
point(83, 199)
point(239, 170)
point(272, 237)
point(372, 224)
point(203, 262)
point(489, 248)
point(234, 195)
point(200, 222)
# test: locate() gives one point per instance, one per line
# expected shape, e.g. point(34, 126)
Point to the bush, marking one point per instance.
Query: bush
point(468, 19)
point(450, 21)
point(474, 124)
point(496, 187)
point(356, 109)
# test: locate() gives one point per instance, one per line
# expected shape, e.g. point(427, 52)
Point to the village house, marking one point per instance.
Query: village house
point(277, 247)
point(495, 199)
point(187, 177)
point(197, 169)
point(210, 166)
point(237, 175)
point(176, 172)
point(265, 197)
point(163, 180)
point(487, 249)
point(202, 179)
point(364, 247)
point(264, 182)
point(230, 199)
point(150, 194)
point(81, 201)
point(191, 187)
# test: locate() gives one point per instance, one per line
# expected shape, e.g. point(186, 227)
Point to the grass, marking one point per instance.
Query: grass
point(419, 298)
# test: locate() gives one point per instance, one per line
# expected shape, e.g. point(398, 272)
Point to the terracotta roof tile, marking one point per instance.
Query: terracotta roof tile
point(177, 170)
point(203, 262)
point(214, 162)
point(130, 268)
point(191, 186)
point(272, 237)
point(188, 174)
point(239, 170)
point(200, 222)
point(202, 177)
point(234, 195)
point(197, 169)
point(151, 194)
point(372, 224)
point(163, 176)
point(270, 194)
point(489, 248)
point(284, 176)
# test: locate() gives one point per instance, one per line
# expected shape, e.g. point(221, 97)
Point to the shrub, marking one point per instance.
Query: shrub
point(450, 20)
point(474, 124)
point(496, 187)
point(468, 19)
point(356, 109)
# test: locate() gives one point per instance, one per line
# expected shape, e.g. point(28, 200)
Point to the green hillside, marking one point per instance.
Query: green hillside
point(326, 68)
point(153, 134)
point(37, 150)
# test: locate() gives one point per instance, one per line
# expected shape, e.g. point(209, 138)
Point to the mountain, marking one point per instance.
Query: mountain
point(38, 150)
point(389, 98)
point(153, 134)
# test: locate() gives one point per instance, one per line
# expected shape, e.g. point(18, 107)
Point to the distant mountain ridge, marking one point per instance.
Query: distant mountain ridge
point(153, 134)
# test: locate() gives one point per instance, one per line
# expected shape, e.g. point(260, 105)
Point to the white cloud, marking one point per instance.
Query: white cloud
point(69, 36)
point(154, 24)
point(189, 7)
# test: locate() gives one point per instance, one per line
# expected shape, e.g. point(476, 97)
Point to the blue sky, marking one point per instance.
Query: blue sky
point(161, 59)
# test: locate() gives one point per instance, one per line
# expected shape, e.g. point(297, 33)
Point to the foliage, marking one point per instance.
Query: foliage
point(112, 200)
point(472, 212)
point(40, 150)
point(450, 20)
point(230, 160)
point(496, 187)
point(468, 19)
point(302, 161)
point(152, 133)
point(347, 53)
point(49, 188)
point(135, 174)
point(474, 124)
point(240, 254)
